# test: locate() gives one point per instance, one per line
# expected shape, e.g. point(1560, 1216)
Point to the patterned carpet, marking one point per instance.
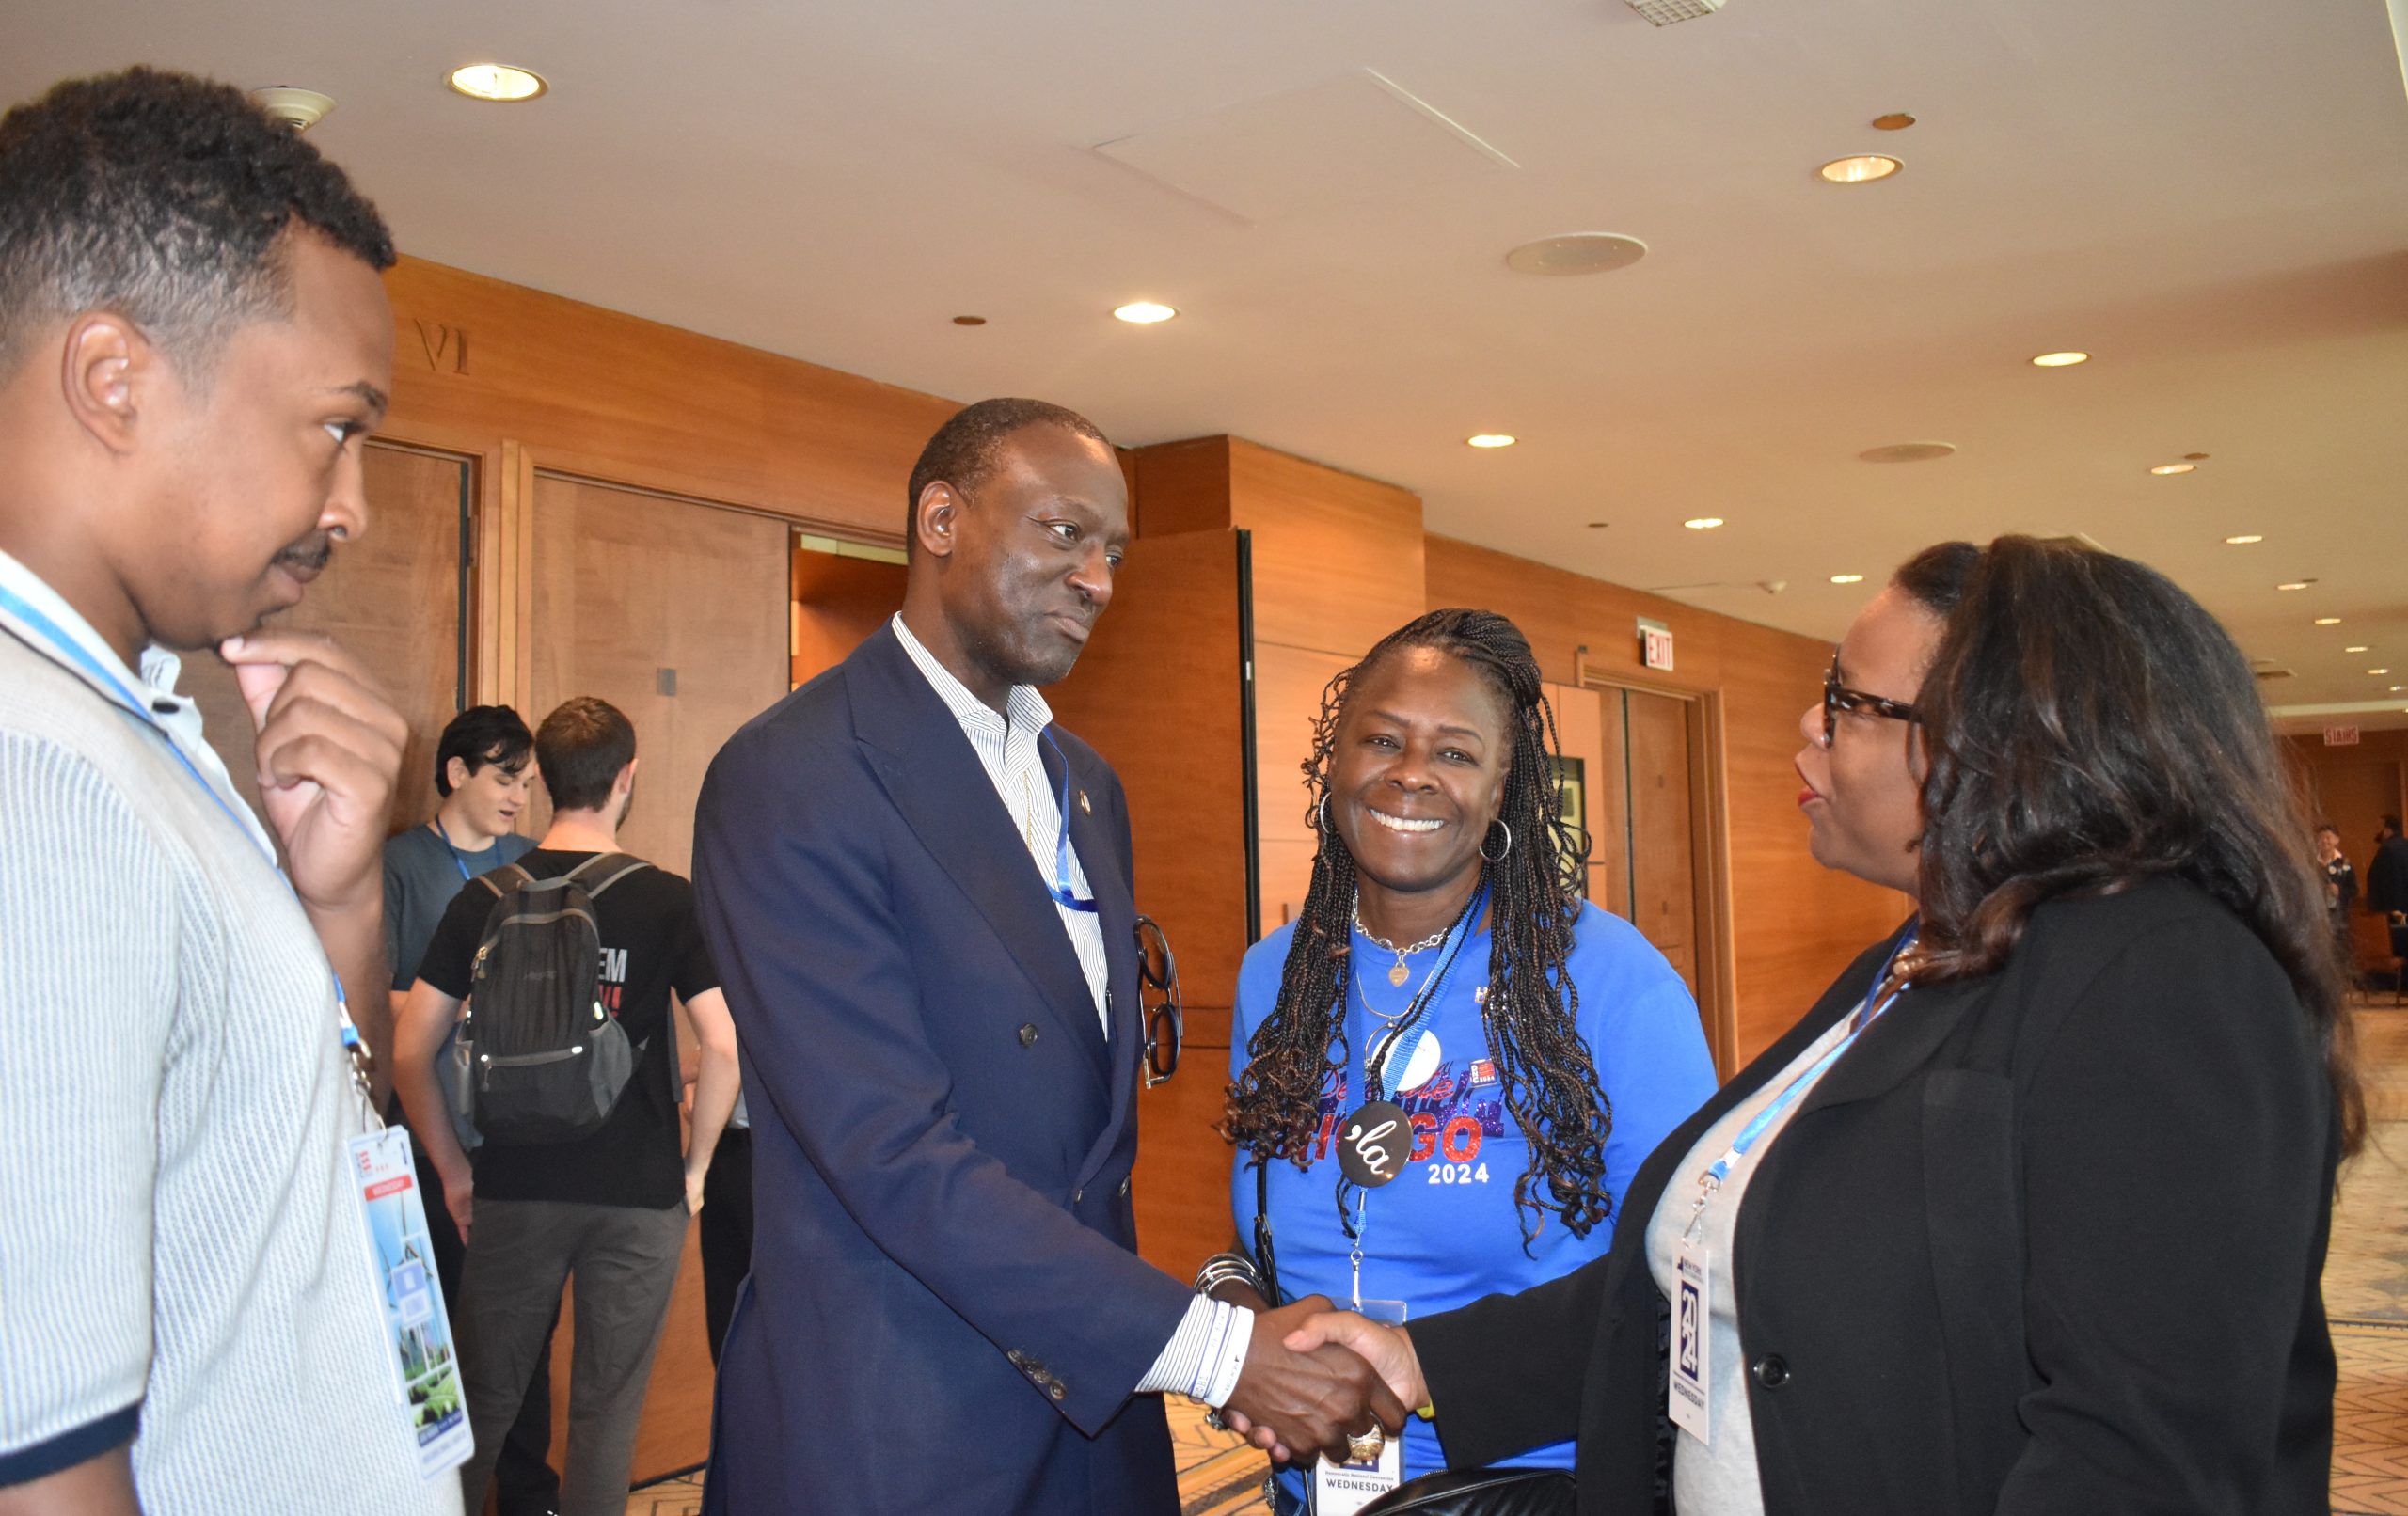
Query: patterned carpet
point(2366, 1289)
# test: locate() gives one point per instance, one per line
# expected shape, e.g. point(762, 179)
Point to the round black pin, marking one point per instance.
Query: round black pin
point(1375, 1142)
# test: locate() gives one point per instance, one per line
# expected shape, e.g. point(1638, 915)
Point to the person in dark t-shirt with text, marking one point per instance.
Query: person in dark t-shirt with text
point(609, 1209)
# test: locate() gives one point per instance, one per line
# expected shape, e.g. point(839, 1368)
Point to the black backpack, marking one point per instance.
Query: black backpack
point(546, 1064)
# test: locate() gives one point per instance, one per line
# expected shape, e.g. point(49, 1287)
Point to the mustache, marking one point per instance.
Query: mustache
point(310, 553)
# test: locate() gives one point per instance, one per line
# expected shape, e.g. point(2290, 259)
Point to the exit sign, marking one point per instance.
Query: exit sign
point(1655, 644)
point(2341, 736)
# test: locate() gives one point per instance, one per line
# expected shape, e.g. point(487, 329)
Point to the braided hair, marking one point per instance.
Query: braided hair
point(1545, 1076)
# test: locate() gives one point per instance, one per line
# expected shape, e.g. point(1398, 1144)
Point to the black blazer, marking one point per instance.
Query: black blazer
point(2048, 1242)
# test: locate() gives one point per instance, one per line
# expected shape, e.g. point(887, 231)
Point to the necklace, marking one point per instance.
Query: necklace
point(1398, 973)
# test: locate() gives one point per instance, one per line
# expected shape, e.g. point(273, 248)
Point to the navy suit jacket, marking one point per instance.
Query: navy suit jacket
point(947, 1312)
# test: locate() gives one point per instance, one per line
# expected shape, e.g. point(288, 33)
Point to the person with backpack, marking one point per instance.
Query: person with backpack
point(565, 1067)
point(484, 763)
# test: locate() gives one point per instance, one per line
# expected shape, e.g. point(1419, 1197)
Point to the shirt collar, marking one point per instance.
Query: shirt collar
point(1029, 714)
point(88, 654)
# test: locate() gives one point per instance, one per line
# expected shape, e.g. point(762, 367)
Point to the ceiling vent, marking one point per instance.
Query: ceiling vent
point(2264, 674)
point(1665, 13)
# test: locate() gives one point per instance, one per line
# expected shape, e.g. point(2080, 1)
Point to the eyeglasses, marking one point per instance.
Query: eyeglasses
point(1165, 1027)
point(1837, 697)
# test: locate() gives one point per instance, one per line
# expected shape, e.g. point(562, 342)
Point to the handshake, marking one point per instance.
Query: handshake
point(1316, 1378)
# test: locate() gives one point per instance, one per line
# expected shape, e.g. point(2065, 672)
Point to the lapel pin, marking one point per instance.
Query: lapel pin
point(1085, 808)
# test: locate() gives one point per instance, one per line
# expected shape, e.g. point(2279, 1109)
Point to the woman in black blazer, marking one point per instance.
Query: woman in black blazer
point(2041, 1227)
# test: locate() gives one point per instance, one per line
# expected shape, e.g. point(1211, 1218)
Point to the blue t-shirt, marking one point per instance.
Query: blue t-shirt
point(1444, 1233)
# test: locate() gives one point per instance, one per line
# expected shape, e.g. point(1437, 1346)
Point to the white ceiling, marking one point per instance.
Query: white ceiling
point(2210, 195)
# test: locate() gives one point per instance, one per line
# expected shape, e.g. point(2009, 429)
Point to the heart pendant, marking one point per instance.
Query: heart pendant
point(1400, 974)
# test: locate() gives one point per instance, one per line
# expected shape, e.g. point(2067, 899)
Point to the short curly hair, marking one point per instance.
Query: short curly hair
point(163, 197)
point(962, 453)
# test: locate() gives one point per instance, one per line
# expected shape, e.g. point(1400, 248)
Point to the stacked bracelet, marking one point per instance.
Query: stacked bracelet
point(1227, 1268)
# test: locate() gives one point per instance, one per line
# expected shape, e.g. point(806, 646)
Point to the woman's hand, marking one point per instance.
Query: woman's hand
point(1387, 1348)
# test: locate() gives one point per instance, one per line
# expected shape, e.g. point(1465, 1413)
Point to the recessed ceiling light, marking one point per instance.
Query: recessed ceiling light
point(1906, 452)
point(2059, 360)
point(2243, 539)
point(1894, 121)
point(498, 81)
point(970, 320)
point(299, 109)
point(2397, 688)
point(2294, 584)
point(1703, 523)
point(1576, 252)
point(1491, 439)
point(2173, 468)
point(2328, 621)
point(2361, 648)
point(1144, 312)
point(1861, 168)
point(1847, 578)
point(2378, 671)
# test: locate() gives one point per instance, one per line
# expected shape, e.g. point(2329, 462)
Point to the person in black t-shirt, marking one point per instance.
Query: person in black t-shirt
point(609, 1211)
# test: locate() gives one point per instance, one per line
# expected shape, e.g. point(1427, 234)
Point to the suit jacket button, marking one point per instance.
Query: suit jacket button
point(1771, 1371)
point(1028, 1033)
point(1056, 1390)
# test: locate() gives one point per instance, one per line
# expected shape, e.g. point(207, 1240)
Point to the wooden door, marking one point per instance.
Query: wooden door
point(1162, 693)
point(676, 614)
point(1663, 868)
point(674, 611)
point(392, 600)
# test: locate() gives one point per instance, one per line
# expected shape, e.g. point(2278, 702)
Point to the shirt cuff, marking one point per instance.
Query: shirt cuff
point(1206, 1354)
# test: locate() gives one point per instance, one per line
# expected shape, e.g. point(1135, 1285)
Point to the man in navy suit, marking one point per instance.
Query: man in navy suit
point(919, 894)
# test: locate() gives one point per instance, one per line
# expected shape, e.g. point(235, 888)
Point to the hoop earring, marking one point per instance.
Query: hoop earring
point(1320, 816)
point(1504, 853)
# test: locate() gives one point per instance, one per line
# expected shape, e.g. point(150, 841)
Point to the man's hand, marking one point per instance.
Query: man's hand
point(329, 746)
point(1387, 1348)
point(1301, 1403)
point(460, 1198)
point(694, 1177)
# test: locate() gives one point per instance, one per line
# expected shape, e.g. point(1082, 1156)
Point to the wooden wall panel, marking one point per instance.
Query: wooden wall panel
point(1798, 922)
point(391, 599)
point(628, 587)
point(1795, 924)
point(1663, 872)
point(1336, 556)
point(611, 396)
point(1158, 693)
point(1180, 487)
point(1287, 684)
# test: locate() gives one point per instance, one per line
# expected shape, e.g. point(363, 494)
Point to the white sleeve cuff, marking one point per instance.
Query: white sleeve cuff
point(1205, 1356)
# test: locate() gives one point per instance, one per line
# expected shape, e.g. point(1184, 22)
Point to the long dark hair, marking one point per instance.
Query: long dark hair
point(1545, 1073)
point(2089, 726)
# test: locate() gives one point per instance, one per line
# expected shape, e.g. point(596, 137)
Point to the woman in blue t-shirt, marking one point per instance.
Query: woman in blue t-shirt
point(1449, 1064)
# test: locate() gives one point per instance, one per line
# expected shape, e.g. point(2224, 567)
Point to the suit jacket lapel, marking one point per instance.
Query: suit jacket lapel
point(1660, 1170)
point(930, 770)
point(1903, 1040)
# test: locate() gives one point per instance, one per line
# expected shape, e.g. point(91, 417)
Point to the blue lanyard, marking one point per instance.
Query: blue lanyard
point(1865, 1015)
point(1060, 888)
point(125, 699)
point(458, 862)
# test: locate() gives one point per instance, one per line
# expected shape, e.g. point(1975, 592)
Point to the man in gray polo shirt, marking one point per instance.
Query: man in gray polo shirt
point(193, 341)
